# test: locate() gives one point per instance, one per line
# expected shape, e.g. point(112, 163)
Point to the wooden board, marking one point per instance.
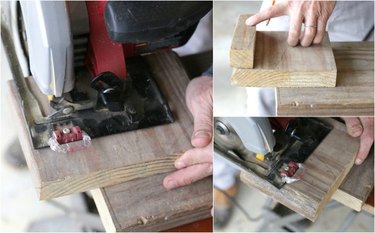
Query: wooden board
point(353, 95)
point(145, 205)
point(276, 64)
point(117, 158)
point(326, 168)
point(369, 205)
point(358, 184)
point(243, 44)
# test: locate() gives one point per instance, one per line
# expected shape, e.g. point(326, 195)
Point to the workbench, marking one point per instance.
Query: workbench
point(125, 171)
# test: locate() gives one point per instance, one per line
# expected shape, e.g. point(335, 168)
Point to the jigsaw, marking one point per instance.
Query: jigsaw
point(87, 60)
point(275, 150)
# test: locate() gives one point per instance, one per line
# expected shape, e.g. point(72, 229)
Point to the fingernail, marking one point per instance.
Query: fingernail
point(179, 164)
point(201, 134)
point(358, 161)
point(171, 184)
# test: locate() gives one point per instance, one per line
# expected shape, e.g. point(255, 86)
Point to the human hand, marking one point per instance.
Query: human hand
point(314, 14)
point(362, 127)
point(196, 163)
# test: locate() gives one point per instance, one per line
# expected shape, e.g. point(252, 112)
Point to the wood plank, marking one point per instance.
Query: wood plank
point(145, 205)
point(353, 95)
point(243, 44)
point(276, 64)
point(369, 205)
point(117, 158)
point(358, 184)
point(326, 168)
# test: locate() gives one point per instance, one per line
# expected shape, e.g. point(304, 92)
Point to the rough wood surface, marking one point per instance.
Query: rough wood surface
point(353, 95)
point(145, 205)
point(117, 158)
point(276, 64)
point(326, 168)
point(243, 44)
point(358, 184)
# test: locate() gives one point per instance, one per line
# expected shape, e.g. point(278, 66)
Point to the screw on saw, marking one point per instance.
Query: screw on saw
point(66, 130)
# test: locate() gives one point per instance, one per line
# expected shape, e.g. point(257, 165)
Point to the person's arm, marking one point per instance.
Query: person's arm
point(196, 163)
point(362, 127)
point(313, 14)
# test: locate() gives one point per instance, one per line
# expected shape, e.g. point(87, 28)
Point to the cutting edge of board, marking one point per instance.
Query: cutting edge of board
point(242, 48)
point(287, 79)
point(348, 200)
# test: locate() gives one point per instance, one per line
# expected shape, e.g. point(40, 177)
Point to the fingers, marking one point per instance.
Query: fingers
point(272, 11)
point(310, 30)
point(199, 101)
point(366, 139)
point(353, 126)
point(202, 134)
point(295, 28)
point(187, 175)
point(321, 30)
point(195, 156)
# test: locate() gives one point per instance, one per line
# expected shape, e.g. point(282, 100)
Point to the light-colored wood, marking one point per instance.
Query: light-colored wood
point(358, 184)
point(145, 205)
point(243, 44)
point(117, 158)
point(276, 64)
point(353, 95)
point(369, 205)
point(326, 168)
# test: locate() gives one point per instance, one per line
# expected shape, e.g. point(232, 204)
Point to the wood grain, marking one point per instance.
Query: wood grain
point(145, 205)
point(326, 168)
point(353, 95)
point(117, 158)
point(243, 44)
point(276, 64)
point(358, 184)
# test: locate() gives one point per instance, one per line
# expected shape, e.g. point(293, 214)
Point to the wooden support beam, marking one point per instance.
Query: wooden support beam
point(353, 95)
point(326, 168)
point(243, 44)
point(116, 158)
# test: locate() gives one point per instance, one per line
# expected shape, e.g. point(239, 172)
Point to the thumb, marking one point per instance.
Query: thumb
point(202, 134)
point(353, 126)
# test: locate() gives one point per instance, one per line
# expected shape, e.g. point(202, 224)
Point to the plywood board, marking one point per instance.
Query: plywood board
point(326, 168)
point(145, 205)
point(276, 64)
point(358, 184)
point(243, 44)
point(117, 158)
point(353, 95)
